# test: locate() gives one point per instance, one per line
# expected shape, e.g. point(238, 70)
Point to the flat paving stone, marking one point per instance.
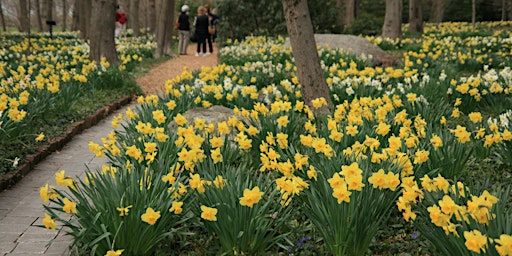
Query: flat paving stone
point(31, 248)
point(7, 247)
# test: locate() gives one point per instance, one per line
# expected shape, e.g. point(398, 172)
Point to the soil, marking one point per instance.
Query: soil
point(153, 82)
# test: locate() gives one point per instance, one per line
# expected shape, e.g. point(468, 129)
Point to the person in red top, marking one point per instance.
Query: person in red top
point(120, 22)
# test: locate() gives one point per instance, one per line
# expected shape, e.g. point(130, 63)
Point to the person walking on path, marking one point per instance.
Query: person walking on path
point(201, 26)
point(120, 22)
point(212, 21)
point(184, 30)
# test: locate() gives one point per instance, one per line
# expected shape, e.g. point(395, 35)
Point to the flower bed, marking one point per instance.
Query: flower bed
point(48, 84)
point(408, 141)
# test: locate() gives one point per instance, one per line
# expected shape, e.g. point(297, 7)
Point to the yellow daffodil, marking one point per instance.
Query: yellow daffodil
point(150, 216)
point(123, 211)
point(176, 207)
point(251, 197)
point(114, 253)
point(208, 213)
point(48, 222)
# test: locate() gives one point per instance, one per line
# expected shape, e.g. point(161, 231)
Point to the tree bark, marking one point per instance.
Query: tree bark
point(509, 10)
point(350, 11)
point(103, 20)
point(133, 18)
point(165, 29)
point(307, 61)
point(503, 8)
point(49, 13)
point(415, 16)
point(437, 13)
point(473, 13)
point(340, 7)
point(2, 18)
point(74, 16)
point(392, 27)
point(23, 16)
point(64, 15)
point(152, 15)
point(83, 12)
point(39, 20)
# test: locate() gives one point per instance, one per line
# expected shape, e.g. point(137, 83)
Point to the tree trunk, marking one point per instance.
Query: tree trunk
point(83, 11)
point(473, 13)
point(133, 18)
point(49, 12)
point(415, 16)
point(74, 16)
point(347, 12)
point(350, 11)
point(23, 16)
point(340, 7)
point(509, 10)
point(103, 20)
point(39, 20)
point(392, 27)
point(437, 13)
point(64, 15)
point(165, 29)
point(152, 17)
point(503, 8)
point(2, 18)
point(307, 61)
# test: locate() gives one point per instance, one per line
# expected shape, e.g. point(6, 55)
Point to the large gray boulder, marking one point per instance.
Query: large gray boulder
point(356, 45)
point(212, 115)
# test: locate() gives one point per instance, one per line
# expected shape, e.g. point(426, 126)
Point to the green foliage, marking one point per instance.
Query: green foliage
point(56, 85)
point(365, 24)
point(450, 241)
point(101, 227)
point(242, 229)
point(347, 228)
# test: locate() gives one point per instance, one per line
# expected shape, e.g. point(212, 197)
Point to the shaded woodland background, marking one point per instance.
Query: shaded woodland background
point(242, 18)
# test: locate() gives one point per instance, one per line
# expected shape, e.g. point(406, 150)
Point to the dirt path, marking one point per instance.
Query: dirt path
point(153, 82)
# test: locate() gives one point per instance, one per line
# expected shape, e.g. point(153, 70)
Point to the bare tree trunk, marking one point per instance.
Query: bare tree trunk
point(509, 10)
point(340, 6)
point(503, 8)
point(49, 12)
point(152, 15)
point(307, 61)
point(39, 20)
point(415, 16)
point(83, 11)
point(350, 11)
point(102, 43)
point(437, 14)
point(347, 12)
point(133, 18)
point(75, 16)
point(23, 16)
point(165, 29)
point(2, 18)
point(64, 15)
point(473, 13)
point(393, 19)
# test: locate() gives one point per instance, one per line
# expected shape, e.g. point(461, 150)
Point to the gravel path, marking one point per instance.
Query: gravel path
point(153, 82)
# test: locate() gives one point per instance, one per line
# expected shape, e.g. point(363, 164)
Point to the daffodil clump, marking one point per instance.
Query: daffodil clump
point(396, 141)
point(41, 82)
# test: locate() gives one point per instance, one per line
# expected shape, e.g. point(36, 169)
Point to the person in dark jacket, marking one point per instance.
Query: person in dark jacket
point(183, 30)
point(212, 21)
point(201, 25)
